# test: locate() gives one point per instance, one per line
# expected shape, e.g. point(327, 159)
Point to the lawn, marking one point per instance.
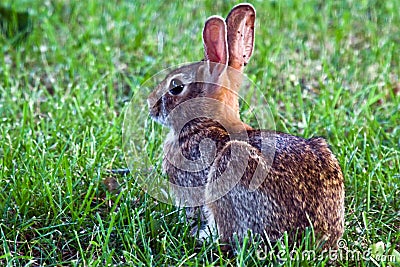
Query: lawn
point(325, 68)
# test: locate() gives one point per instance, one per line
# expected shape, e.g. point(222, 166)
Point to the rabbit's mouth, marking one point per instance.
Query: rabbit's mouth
point(158, 120)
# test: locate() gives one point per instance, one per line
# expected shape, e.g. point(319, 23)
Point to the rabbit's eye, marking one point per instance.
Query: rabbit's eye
point(176, 87)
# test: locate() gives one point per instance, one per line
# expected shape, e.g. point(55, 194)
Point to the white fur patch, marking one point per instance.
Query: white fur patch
point(210, 230)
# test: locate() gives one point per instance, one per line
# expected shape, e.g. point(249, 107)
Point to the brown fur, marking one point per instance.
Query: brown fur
point(302, 188)
point(272, 182)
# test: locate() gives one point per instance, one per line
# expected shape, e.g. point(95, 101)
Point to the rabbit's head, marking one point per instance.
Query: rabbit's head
point(209, 87)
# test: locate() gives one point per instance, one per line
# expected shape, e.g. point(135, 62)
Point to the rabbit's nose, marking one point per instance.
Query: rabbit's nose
point(151, 101)
point(153, 106)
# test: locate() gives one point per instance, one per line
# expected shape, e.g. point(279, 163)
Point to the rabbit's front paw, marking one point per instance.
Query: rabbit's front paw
point(204, 231)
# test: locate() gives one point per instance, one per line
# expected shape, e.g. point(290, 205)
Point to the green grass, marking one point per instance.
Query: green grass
point(326, 68)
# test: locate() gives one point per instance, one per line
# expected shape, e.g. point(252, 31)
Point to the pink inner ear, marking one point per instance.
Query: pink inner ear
point(214, 38)
point(240, 24)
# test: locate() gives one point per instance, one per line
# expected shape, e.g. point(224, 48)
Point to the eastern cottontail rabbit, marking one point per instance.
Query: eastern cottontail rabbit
point(241, 178)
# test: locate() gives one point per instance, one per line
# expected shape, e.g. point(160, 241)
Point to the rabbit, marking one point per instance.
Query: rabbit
point(231, 177)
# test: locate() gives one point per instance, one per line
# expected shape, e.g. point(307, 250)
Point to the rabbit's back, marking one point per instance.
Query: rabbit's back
point(301, 185)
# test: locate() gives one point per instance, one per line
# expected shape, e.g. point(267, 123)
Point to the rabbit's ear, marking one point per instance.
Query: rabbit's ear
point(240, 25)
point(214, 40)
